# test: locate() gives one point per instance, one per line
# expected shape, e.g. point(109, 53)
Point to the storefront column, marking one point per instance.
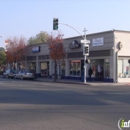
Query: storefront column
point(67, 67)
point(9, 66)
point(111, 68)
point(37, 65)
point(87, 68)
point(50, 67)
point(26, 64)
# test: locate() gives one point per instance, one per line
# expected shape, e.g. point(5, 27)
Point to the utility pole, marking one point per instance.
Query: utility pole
point(85, 52)
point(85, 56)
point(85, 46)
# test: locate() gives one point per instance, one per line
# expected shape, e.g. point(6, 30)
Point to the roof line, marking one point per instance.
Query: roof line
point(114, 30)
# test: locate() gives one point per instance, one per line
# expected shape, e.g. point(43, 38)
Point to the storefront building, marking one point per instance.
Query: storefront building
point(108, 53)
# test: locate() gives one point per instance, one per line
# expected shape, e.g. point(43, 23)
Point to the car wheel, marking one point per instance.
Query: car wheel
point(8, 76)
point(3, 76)
point(21, 77)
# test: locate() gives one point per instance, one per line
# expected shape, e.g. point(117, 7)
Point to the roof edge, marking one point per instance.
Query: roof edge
point(114, 30)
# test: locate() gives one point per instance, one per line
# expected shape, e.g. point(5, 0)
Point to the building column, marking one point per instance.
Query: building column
point(67, 67)
point(87, 68)
point(37, 65)
point(50, 67)
point(9, 66)
point(26, 64)
point(112, 68)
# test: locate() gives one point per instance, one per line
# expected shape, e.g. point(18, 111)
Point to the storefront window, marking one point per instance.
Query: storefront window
point(97, 68)
point(123, 68)
point(75, 67)
point(120, 67)
point(22, 66)
point(107, 68)
point(63, 69)
point(32, 67)
point(44, 69)
point(93, 66)
point(126, 69)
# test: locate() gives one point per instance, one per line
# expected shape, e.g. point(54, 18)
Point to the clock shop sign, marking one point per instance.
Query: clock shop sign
point(74, 44)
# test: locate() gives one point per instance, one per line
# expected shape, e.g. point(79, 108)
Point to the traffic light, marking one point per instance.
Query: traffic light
point(55, 23)
point(86, 50)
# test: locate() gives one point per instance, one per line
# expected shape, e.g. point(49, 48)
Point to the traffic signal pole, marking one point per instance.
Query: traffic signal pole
point(85, 42)
point(73, 28)
point(85, 65)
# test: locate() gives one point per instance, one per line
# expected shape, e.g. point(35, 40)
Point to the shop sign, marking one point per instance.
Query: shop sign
point(75, 61)
point(74, 44)
point(98, 42)
point(36, 49)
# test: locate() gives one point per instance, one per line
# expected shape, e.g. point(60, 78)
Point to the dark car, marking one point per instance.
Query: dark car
point(9, 73)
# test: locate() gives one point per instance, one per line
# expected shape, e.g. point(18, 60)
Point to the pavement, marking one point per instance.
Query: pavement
point(68, 81)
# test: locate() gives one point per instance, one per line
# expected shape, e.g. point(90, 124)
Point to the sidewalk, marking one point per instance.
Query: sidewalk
point(80, 82)
point(68, 81)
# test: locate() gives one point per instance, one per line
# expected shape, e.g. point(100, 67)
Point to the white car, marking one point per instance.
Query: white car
point(24, 74)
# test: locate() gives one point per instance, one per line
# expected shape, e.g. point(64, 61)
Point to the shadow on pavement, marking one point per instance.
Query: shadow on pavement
point(65, 97)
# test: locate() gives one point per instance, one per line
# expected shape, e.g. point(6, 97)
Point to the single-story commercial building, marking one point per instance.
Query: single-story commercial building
point(108, 53)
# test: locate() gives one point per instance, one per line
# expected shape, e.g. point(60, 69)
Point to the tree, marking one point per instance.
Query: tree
point(15, 50)
point(56, 50)
point(39, 38)
point(2, 49)
point(2, 58)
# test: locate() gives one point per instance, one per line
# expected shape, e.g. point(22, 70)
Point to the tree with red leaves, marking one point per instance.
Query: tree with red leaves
point(15, 50)
point(56, 50)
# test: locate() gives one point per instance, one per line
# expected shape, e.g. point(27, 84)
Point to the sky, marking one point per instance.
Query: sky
point(28, 17)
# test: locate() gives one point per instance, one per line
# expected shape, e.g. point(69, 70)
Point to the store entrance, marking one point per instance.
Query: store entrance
point(44, 66)
point(32, 67)
point(98, 69)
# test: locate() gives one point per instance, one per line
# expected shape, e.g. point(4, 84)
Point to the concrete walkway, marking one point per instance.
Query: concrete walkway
point(80, 82)
point(43, 79)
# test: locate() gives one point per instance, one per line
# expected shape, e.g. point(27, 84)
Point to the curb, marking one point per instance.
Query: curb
point(81, 83)
point(65, 82)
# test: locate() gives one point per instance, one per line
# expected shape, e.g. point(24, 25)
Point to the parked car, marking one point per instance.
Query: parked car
point(24, 74)
point(9, 73)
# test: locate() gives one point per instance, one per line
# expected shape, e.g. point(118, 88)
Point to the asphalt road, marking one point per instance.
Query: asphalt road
point(33, 105)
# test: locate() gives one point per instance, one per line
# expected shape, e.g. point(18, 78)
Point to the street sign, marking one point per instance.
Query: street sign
point(85, 41)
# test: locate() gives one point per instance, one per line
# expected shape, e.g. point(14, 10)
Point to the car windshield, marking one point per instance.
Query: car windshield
point(14, 71)
point(26, 71)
